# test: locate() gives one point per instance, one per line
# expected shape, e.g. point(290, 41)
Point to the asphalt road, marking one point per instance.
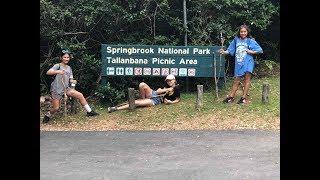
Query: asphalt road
point(247, 154)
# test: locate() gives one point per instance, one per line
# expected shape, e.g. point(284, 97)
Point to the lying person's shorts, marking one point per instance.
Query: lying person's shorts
point(155, 100)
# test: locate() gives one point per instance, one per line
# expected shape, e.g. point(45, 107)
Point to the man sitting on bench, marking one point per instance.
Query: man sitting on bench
point(168, 95)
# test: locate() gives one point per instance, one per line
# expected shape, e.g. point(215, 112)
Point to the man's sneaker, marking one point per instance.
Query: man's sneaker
point(92, 113)
point(242, 101)
point(112, 109)
point(228, 100)
point(46, 119)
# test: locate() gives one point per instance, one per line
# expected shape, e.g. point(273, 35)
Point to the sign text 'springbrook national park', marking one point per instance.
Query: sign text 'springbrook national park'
point(152, 60)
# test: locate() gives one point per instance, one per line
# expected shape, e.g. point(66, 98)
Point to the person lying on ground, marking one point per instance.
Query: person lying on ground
point(169, 94)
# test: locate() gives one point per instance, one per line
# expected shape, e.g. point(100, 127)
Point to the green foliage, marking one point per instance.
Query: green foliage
point(272, 50)
point(267, 68)
point(209, 18)
point(109, 95)
point(87, 71)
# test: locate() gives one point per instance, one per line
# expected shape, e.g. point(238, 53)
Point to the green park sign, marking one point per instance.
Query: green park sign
point(152, 60)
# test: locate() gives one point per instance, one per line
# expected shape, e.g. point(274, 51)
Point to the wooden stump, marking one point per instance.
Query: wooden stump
point(65, 99)
point(137, 94)
point(74, 105)
point(131, 96)
point(199, 97)
point(265, 93)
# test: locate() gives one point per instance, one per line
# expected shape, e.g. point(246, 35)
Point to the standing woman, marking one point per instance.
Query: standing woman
point(243, 47)
point(61, 84)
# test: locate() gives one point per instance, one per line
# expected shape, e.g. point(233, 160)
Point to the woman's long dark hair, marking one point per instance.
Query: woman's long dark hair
point(247, 28)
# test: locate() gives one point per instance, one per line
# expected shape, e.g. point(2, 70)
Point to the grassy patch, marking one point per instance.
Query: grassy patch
point(183, 115)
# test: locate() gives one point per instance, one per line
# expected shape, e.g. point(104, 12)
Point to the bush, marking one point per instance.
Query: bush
point(267, 68)
point(109, 95)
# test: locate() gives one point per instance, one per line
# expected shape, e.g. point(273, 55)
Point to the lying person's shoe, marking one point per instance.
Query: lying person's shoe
point(92, 113)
